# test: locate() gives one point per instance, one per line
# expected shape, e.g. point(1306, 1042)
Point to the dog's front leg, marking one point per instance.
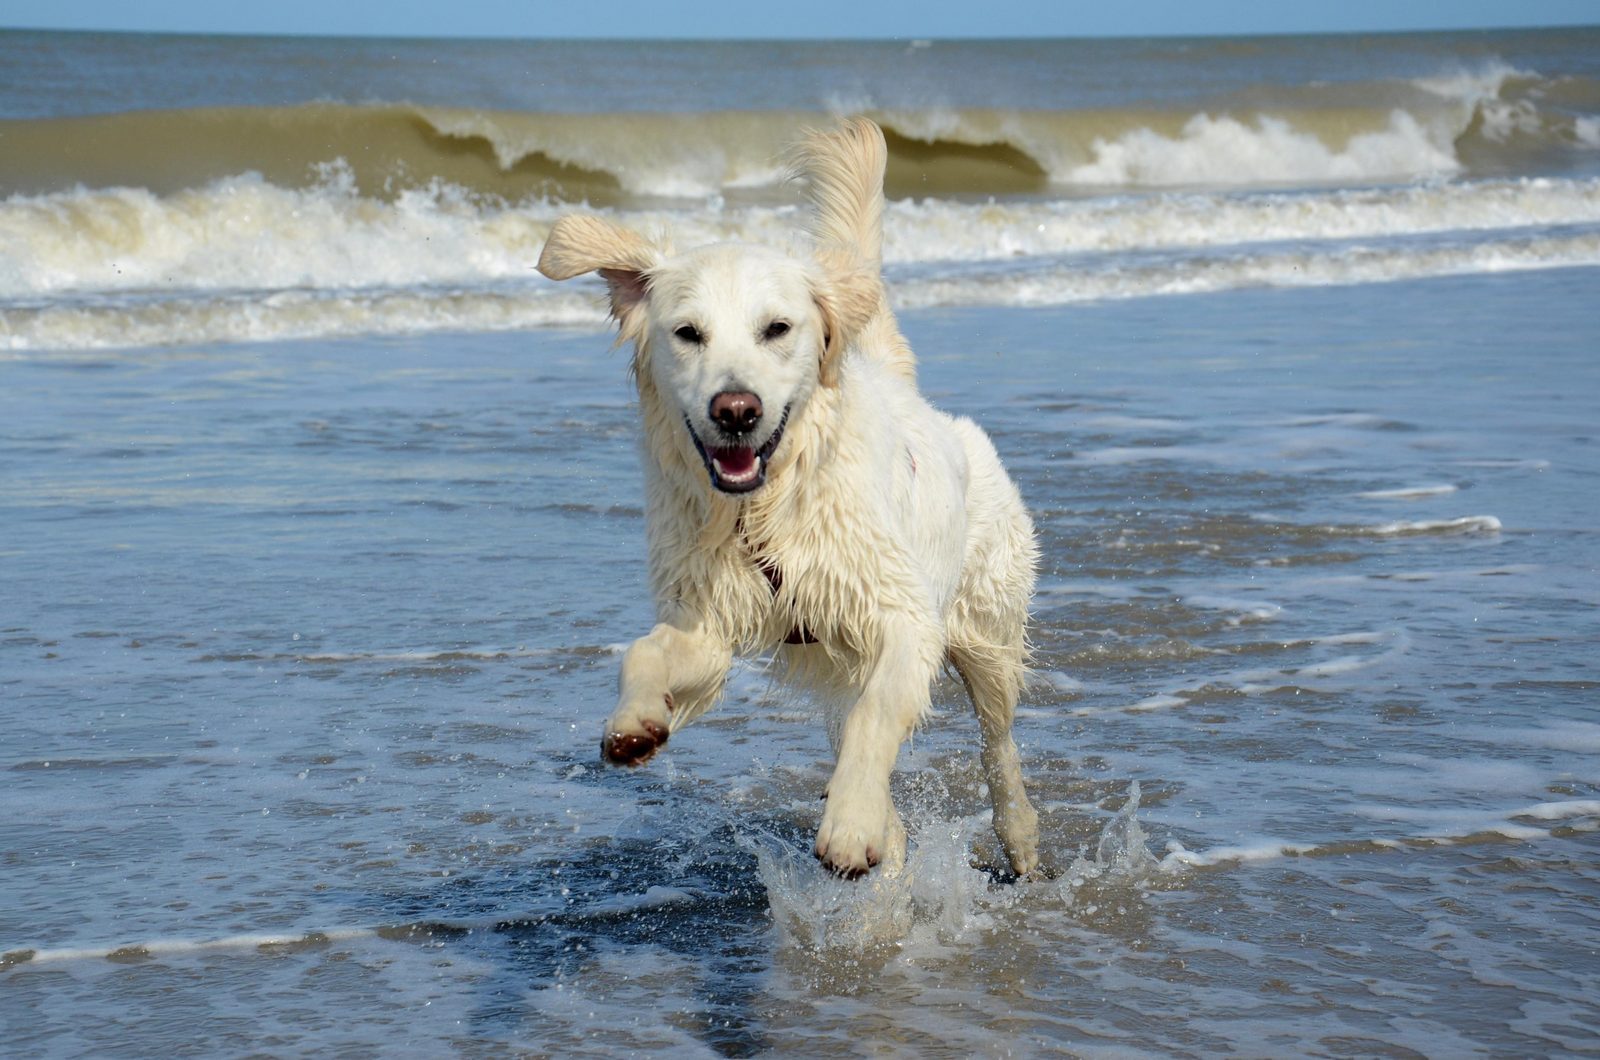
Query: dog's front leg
point(669, 676)
point(860, 827)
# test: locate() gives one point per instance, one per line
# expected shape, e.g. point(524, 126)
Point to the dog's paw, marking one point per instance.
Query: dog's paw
point(633, 749)
point(1018, 829)
point(854, 839)
point(1024, 858)
point(632, 736)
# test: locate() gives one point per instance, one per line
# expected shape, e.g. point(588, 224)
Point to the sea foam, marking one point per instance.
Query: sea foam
point(1213, 149)
point(245, 259)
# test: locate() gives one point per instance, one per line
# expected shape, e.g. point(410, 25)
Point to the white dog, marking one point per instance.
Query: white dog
point(803, 499)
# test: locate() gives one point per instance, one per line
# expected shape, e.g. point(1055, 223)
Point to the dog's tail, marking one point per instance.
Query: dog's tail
point(844, 167)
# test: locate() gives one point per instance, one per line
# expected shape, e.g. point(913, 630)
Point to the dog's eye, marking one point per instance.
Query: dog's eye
point(776, 330)
point(689, 333)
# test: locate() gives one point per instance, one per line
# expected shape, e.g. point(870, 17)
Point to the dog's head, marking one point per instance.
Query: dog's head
point(735, 338)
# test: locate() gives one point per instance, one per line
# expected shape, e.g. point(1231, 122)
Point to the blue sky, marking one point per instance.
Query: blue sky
point(806, 18)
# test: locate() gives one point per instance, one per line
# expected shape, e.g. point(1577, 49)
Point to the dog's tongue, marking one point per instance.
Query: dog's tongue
point(735, 462)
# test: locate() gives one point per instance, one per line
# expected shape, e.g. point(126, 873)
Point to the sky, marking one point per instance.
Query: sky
point(720, 19)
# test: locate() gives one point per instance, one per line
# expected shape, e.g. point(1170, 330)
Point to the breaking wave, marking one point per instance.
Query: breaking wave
point(246, 259)
point(248, 233)
point(239, 224)
point(1494, 121)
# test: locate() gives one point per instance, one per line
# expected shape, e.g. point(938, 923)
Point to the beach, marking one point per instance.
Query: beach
point(323, 533)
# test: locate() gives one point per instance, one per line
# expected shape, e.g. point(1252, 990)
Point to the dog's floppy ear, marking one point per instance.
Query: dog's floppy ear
point(850, 296)
point(580, 243)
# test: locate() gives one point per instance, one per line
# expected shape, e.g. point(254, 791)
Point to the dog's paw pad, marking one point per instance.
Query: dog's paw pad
point(844, 869)
point(847, 853)
point(632, 749)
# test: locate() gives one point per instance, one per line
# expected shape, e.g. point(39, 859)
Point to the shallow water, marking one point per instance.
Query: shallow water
point(306, 647)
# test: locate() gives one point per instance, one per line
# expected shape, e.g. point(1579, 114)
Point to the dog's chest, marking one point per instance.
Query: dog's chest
point(774, 574)
point(771, 571)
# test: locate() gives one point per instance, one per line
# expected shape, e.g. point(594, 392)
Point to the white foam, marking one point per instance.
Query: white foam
point(1059, 681)
point(1407, 493)
point(1587, 131)
point(1179, 857)
point(1559, 811)
point(932, 230)
point(1137, 454)
point(1086, 587)
point(1161, 701)
point(1244, 610)
point(1339, 266)
point(1212, 150)
point(1260, 680)
point(1335, 667)
point(1508, 464)
point(244, 260)
point(440, 655)
point(192, 320)
point(655, 897)
point(1223, 149)
point(1450, 827)
point(1466, 524)
point(172, 947)
point(1368, 637)
point(245, 233)
point(1471, 86)
point(1109, 421)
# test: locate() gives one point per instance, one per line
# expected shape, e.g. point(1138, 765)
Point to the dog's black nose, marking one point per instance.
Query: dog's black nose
point(736, 411)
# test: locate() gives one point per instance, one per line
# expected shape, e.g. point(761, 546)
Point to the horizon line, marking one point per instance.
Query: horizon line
point(909, 38)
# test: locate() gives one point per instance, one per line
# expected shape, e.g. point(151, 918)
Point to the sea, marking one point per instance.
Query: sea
point(321, 533)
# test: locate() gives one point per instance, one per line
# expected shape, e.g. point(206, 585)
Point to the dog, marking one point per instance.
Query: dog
point(804, 500)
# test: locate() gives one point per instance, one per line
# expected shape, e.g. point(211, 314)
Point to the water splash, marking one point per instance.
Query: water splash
point(1121, 860)
point(938, 895)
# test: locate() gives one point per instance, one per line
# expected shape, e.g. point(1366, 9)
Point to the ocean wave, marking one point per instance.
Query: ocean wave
point(1466, 524)
point(244, 259)
point(1455, 827)
point(190, 317)
point(1216, 149)
point(937, 230)
point(1410, 493)
point(195, 319)
point(1495, 120)
point(1210, 273)
point(246, 233)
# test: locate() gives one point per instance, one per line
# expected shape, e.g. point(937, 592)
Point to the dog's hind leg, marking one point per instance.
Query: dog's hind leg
point(993, 676)
point(669, 677)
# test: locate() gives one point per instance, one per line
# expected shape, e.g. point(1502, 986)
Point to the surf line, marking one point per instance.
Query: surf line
point(139, 952)
point(1566, 818)
point(419, 931)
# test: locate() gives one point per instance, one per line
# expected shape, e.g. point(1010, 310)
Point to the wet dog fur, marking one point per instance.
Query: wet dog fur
point(804, 500)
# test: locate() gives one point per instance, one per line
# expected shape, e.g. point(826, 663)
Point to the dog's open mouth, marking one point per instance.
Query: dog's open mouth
point(738, 468)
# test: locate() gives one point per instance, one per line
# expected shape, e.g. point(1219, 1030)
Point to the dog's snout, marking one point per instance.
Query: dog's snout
point(736, 411)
